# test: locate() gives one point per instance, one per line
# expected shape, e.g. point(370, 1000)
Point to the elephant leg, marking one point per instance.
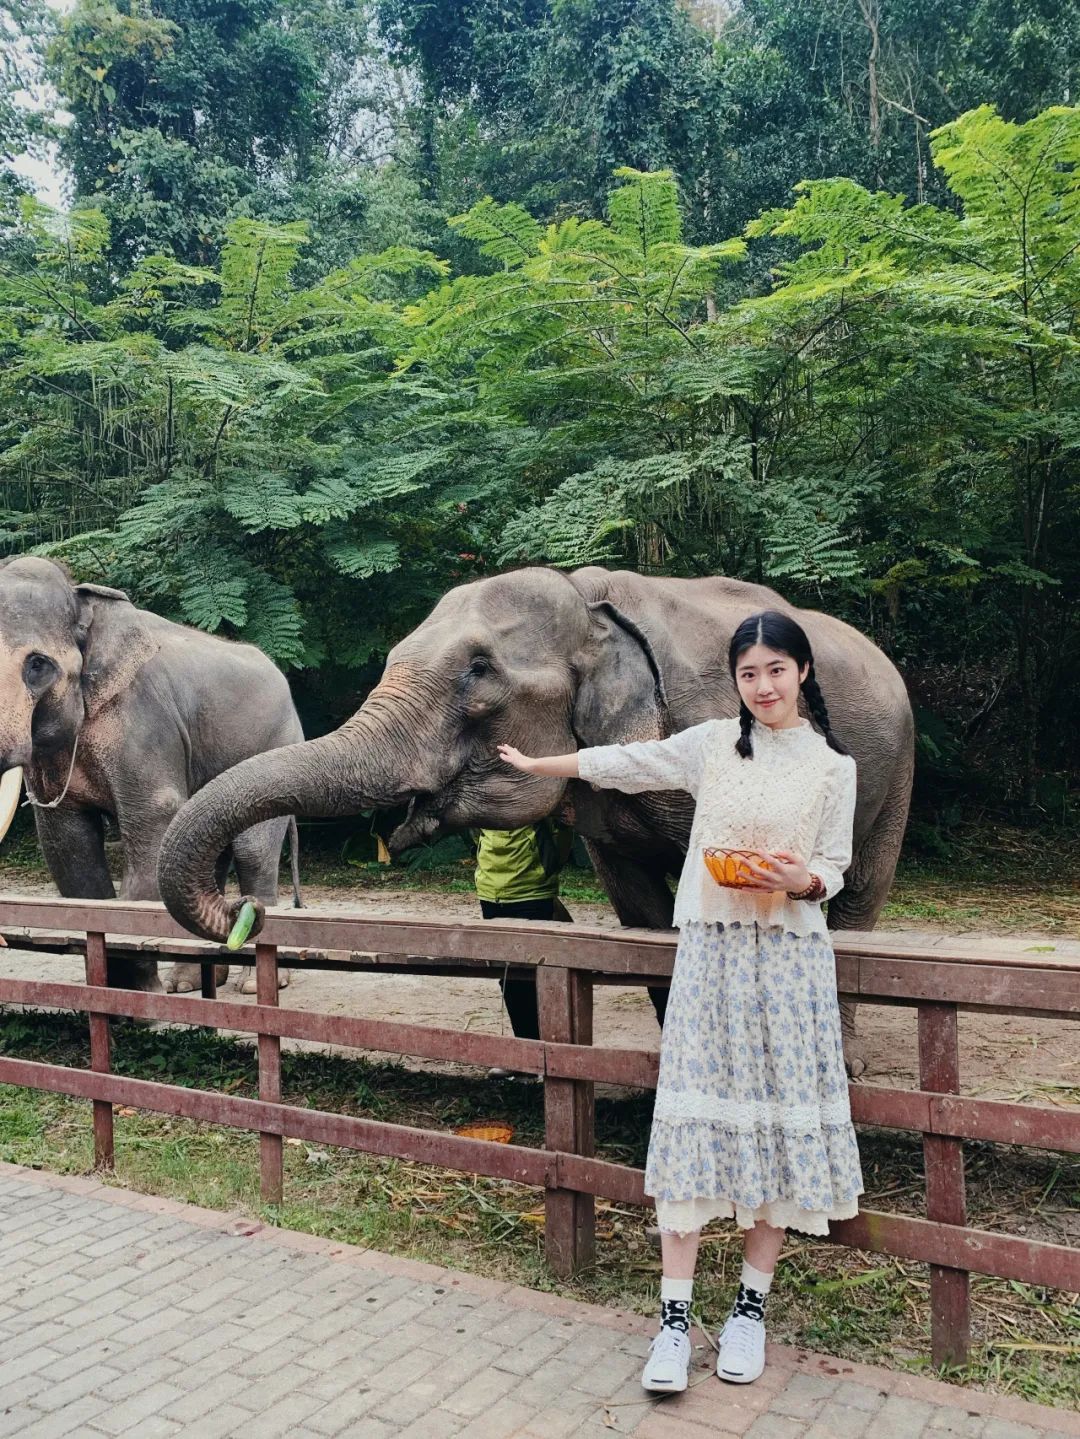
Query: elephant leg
point(73, 842)
point(640, 895)
point(860, 902)
point(187, 978)
point(142, 828)
point(258, 855)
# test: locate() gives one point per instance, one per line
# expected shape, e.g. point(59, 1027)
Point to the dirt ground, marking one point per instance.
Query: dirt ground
point(1002, 1056)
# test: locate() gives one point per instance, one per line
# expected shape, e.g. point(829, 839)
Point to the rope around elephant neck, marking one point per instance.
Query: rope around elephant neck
point(52, 804)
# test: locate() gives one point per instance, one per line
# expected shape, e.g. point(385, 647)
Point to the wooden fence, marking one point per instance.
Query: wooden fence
point(937, 977)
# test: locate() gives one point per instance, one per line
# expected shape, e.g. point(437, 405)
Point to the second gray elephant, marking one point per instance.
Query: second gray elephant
point(115, 711)
point(551, 662)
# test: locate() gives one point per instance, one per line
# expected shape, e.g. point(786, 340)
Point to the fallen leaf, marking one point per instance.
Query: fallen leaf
point(244, 1227)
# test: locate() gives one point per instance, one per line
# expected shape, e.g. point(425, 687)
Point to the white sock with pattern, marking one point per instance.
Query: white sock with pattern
point(750, 1300)
point(675, 1297)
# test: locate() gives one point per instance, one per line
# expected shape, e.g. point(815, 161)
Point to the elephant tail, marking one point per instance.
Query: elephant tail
point(294, 862)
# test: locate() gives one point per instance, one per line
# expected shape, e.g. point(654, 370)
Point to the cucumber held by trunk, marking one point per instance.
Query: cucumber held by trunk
point(245, 921)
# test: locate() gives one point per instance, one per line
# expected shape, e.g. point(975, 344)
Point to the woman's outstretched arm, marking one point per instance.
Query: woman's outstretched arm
point(563, 766)
point(673, 763)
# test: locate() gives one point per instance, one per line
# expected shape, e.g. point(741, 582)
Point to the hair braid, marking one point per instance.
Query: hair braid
point(744, 745)
point(815, 703)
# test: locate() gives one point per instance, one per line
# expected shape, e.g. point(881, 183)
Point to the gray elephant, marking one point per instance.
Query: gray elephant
point(111, 710)
point(548, 661)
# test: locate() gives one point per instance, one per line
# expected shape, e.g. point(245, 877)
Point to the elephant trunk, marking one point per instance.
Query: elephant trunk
point(323, 778)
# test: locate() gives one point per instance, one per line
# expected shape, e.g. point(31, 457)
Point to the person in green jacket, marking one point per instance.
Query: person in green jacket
point(517, 877)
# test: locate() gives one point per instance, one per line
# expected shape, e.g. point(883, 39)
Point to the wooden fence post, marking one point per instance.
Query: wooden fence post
point(97, 974)
point(271, 1150)
point(565, 998)
point(950, 1289)
point(208, 976)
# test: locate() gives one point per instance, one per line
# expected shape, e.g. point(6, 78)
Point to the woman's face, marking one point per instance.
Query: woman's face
point(768, 682)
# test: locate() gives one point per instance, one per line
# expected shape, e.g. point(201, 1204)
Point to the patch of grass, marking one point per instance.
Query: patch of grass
point(851, 1304)
point(916, 909)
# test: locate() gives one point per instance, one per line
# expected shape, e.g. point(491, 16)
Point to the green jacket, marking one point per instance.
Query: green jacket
point(519, 864)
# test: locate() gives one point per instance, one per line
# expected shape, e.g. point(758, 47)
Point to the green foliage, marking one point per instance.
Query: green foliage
point(260, 378)
point(195, 437)
point(187, 116)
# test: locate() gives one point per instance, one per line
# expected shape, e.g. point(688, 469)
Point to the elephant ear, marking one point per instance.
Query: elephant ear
point(115, 643)
point(621, 694)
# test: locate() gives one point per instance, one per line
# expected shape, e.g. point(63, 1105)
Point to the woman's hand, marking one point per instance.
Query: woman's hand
point(787, 873)
point(514, 757)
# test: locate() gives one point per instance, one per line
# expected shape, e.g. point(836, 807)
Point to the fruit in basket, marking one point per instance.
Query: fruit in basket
point(730, 867)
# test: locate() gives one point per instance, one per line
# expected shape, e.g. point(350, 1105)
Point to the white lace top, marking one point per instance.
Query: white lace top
point(795, 794)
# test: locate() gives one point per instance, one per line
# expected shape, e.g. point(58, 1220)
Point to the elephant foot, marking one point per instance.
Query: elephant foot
point(183, 978)
point(246, 983)
point(855, 1064)
point(187, 978)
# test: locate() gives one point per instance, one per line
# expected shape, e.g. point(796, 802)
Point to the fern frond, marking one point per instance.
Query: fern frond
point(273, 622)
point(216, 590)
point(360, 556)
point(262, 500)
point(644, 209)
point(506, 233)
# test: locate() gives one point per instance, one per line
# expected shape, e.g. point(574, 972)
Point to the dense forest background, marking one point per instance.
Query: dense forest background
point(357, 299)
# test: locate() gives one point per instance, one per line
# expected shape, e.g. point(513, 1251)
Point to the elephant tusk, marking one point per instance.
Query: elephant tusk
point(10, 790)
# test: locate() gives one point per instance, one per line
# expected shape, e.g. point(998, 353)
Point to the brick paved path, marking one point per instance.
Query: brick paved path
point(126, 1315)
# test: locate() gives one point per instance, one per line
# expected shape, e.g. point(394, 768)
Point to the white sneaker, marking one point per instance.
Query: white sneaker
point(669, 1361)
point(742, 1350)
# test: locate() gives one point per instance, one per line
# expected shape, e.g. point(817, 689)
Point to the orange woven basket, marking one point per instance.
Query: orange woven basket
point(493, 1130)
point(729, 868)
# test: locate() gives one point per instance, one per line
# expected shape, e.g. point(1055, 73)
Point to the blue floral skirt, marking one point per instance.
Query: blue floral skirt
point(752, 1118)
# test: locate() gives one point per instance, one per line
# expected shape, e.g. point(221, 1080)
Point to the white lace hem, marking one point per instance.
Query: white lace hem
point(687, 1216)
point(689, 1106)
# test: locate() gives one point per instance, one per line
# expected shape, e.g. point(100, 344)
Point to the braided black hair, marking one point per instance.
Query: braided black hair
point(819, 713)
point(781, 633)
point(744, 745)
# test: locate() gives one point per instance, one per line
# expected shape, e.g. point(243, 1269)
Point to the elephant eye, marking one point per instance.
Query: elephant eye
point(479, 665)
point(37, 669)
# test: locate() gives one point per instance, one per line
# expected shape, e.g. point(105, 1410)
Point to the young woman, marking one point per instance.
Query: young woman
point(751, 1118)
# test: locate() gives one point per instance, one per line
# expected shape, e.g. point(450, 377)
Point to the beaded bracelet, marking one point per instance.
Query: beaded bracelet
point(815, 890)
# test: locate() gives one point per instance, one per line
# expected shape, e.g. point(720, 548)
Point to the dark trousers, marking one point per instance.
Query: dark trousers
point(519, 995)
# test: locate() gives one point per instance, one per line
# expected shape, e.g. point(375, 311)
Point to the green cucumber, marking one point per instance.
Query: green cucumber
point(245, 921)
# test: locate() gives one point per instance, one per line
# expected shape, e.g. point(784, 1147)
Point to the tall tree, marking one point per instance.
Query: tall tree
point(855, 87)
point(539, 100)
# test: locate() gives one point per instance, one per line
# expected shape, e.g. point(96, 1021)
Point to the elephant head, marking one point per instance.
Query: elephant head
point(523, 658)
point(65, 652)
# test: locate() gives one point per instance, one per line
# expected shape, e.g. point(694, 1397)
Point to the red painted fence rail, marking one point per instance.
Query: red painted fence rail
point(937, 976)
